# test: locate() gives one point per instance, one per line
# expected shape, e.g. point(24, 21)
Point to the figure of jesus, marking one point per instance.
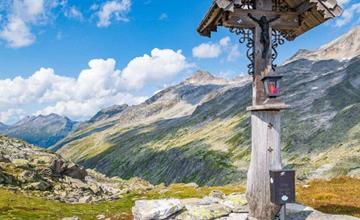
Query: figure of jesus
point(264, 24)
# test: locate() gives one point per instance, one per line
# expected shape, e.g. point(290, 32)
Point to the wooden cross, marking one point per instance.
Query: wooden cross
point(261, 17)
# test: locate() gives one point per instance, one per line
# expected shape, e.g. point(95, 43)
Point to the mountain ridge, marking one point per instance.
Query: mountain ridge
point(342, 48)
point(200, 131)
point(41, 130)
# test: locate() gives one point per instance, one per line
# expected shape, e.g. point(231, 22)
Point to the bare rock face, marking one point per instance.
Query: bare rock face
point(156, 209)
point(42, 173)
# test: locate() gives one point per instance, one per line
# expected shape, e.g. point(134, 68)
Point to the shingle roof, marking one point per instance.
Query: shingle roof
point(311, 14)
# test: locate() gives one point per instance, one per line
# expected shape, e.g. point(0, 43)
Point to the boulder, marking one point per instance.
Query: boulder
point(41, 186)
point(21, 163)
point(26, 176)
point(235, 216)
point(85, 199)
point(71, 218)
point(75, 171)
point(205, 212)
point(57, 166)
point(100, 217)
point(236, 202)
point(94, 188)
point(156, 209)
point(217, 194)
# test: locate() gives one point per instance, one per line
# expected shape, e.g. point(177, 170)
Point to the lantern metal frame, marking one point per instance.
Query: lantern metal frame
point(272, 78)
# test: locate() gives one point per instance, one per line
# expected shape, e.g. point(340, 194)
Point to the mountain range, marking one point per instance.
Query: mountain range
point(43, 131)
point(199, 130)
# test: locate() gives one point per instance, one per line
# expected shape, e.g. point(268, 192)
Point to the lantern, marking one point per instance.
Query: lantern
point(272, 85)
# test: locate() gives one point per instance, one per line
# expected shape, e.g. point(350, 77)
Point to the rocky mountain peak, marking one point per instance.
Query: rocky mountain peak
point(202, 77)
point(108, 112)
point(343, 48)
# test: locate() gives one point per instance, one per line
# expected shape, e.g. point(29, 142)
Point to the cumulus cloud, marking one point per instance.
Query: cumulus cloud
point(20, 16)
point(349, 13)
point(214, 50)
point(11, 115)
point(100, 85)
point(207, 50)
point(158, 65)
point(116, 9)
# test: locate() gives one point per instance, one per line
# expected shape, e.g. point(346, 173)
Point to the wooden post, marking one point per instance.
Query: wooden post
point(265, 153)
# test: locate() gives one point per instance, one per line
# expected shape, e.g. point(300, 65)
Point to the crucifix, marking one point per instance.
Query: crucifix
point(264, 24)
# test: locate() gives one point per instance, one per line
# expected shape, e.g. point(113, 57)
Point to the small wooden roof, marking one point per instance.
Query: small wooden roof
point(311, 14)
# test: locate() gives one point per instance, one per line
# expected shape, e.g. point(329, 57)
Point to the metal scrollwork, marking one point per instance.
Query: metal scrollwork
point(280, 6)
point(246, 4)
point(246, 36)
point(277, 39)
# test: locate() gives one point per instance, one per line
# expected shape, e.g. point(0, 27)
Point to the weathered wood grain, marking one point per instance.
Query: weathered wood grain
point(265, 155)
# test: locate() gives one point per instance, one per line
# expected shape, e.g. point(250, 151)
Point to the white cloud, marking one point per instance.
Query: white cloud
point(73, 12)
point(207, 50)
point(348, 15)
point(116, 9)
point(214, 50)
point(159, 64)
point(19, 16)
point(17, 33)
point(100, 85)
point(11, 115)
point(225, 41)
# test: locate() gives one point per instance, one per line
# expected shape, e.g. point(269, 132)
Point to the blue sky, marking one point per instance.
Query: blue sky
point(74, 57)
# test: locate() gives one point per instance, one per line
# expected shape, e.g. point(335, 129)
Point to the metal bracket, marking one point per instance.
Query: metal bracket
point(247, 35)
point(277, 39)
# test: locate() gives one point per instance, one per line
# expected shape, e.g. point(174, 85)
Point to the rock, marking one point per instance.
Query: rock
point(94, 188)
point(193, 185)
point(75, 171)
point(57, 166)
point(26, 176)
point(301, 212)
point(208, 200)
point(236, 202)
point(41, 186)
point(85, 199)
point(100, 217)
point(21, 163)
point(235, 216)
point(71, 218)
point(156, 209)
point(191, 201)
point(76, 183)
point(205, 212)
point(44, 159)
point(217, 194)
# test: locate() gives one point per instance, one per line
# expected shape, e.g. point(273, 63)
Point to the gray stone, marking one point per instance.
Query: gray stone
point(205, 212)
point(100, 217)
point(156, 209)
point(41, 186)
point(236, 202)
point(235, 216)
point(21, 163)
point(71, 218)
point(85, 199)
point(75, 171)
point(217, 194)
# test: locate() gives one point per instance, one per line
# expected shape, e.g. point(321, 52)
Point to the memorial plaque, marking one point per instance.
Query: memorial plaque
point(282, 186)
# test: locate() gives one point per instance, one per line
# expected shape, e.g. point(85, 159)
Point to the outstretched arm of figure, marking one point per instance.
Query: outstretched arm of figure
point(274, 19)
point(253, 18)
